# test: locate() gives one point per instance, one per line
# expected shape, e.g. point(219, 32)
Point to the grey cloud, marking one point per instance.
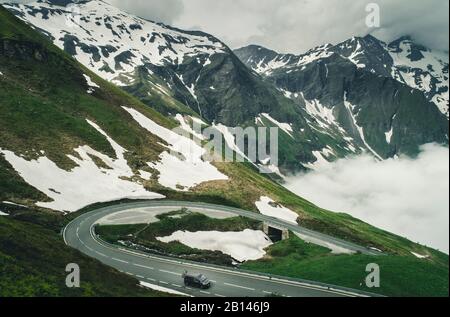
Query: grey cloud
point(156, 10)
point(298, 25)
point(406, 196)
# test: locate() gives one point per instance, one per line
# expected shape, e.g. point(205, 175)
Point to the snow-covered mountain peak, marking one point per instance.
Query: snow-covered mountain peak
point(422, 69)
point(265, 61)
point(63, 3)
point(112, 42)
point(409, 54)
point(404, 60)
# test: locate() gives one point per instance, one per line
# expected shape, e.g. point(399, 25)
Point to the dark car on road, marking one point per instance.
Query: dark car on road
point(196, 280)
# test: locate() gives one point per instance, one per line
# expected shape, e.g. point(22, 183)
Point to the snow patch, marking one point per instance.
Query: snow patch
point(267, 68)
point(270, 169)
point(13, 204)
point(351, 109)
point(145, 175)
point(181, 175)
point(91, 84)
point(178, 172)
point(241, 246)
point(321, 160)
point(189, 128)
point(286, 127)
point(314, 55)
point(86, 183)
point(419, 256)
point(353, 58)
point(389, 135)
point(265, 206)
point(229, 139)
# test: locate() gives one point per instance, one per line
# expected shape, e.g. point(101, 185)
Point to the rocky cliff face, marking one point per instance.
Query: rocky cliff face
point(388, 98)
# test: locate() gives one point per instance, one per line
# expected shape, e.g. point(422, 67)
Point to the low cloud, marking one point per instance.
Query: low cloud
point(409, 197)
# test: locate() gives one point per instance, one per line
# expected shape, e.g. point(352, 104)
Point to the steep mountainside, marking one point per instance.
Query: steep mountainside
point(184, 72)
point(333, 100)
point(152, 59)
point(388, 97)
point(61, 126)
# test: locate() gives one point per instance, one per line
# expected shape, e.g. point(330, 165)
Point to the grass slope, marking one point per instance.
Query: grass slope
point(145, 235)
point(400, 276)
point(44, 106)
point(33, 261)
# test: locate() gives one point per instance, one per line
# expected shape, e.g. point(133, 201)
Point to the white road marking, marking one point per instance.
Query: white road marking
point(143, 266)
point(101, 254)
point(205, 292)
point(165, 283)
point(218, 295)
point(151, 279)
point(169, 272)
point(241, 274)
point(176, 285)
point(119, 260)
point(238, 286)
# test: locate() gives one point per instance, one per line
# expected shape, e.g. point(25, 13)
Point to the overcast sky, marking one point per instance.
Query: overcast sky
point(298, 25)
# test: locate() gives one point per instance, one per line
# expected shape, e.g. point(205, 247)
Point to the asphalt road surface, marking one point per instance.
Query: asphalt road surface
point(167, 272)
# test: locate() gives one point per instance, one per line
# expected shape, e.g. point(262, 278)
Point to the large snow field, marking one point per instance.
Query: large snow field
point(241, 246)
point(180, 167)
point(86, 183)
